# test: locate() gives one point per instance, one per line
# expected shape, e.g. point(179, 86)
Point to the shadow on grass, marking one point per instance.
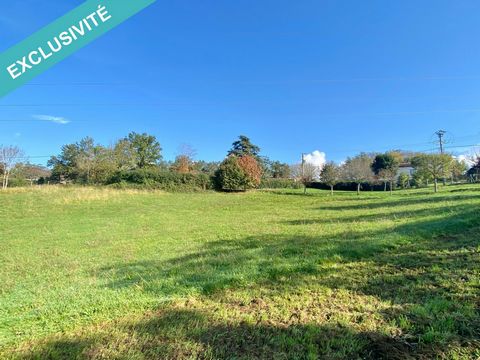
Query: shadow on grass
point(267, 260)
point(273, 260)
point(58, 349)
point(339, 195)
point(444, 211)
point(426, 269)
point(403, 201)
point(193, 334)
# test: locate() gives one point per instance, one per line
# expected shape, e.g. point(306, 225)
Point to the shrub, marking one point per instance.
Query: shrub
point(18, 182)
point(274, 183)
point(153, 178)
point(252, 170)
point(238, 174)
point(403, 180)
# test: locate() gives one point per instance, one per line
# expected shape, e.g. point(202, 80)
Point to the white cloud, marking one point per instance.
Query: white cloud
point(469, 156)
point(463, 158)
point(54, 119)
point(316, 158)
point(17, 134)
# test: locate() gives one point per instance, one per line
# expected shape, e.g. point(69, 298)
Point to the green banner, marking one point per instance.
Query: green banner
point(62, 38)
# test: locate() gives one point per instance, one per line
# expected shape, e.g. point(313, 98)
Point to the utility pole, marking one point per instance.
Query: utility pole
point(441, 134)
point(303, 174)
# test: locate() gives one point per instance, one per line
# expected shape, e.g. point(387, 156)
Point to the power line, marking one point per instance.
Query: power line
point(81, 84)
point(157, 104)
point(326, 80)
point(303, 154)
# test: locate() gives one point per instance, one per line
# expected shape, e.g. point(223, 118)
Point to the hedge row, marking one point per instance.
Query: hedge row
point(280, 184)
point(349, 186)
point(175, 182)
point(162, 180)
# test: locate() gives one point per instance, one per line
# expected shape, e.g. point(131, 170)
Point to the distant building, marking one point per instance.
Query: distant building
point(406, 168)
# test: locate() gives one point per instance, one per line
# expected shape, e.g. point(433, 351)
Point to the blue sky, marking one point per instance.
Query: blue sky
point(295, 76)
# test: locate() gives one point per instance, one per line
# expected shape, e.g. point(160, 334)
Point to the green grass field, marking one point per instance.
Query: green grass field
point(102, 274)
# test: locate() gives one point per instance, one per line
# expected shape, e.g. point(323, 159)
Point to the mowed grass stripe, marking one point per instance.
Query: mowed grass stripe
point(102, 273)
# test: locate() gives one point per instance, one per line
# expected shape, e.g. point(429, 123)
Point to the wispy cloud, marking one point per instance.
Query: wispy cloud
point(54, 119)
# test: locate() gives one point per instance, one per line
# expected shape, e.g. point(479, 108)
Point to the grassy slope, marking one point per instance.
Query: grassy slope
point(101, 274)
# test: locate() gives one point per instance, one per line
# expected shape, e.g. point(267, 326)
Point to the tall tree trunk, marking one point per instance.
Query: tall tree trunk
point(391, 187)
point(358, 188)
point(7, 174)
point(331, 190)
point(436, 185)
point(385, 186)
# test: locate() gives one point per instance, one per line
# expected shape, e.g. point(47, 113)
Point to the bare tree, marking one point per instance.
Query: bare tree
point(9, 157)
point(304, 173)
point(358, 170)
point(184, 161)
point(388, 176)
point(473, 157)
point(187, 150)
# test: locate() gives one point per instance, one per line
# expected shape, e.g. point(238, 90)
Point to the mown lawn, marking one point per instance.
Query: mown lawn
point(102, 274)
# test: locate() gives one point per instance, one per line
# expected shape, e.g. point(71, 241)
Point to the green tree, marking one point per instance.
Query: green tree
point(458, 170)
point(403, 180)
point(474, 172)
point(230, 176)
point(124, 155)
point(238, 173)
point(205, 167)
point(103, 165)
point(434, 166)
point(84, 162)
point(280, 170)
point(243, 146)
point(385, 167)
point(330, 175)
point(86, 158)
point(420, 179)
point(73, 160)
point(147, 149)
point(358, 170)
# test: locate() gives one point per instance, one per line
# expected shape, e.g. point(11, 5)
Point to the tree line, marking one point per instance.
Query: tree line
point(385, 168)
point(136, 161)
